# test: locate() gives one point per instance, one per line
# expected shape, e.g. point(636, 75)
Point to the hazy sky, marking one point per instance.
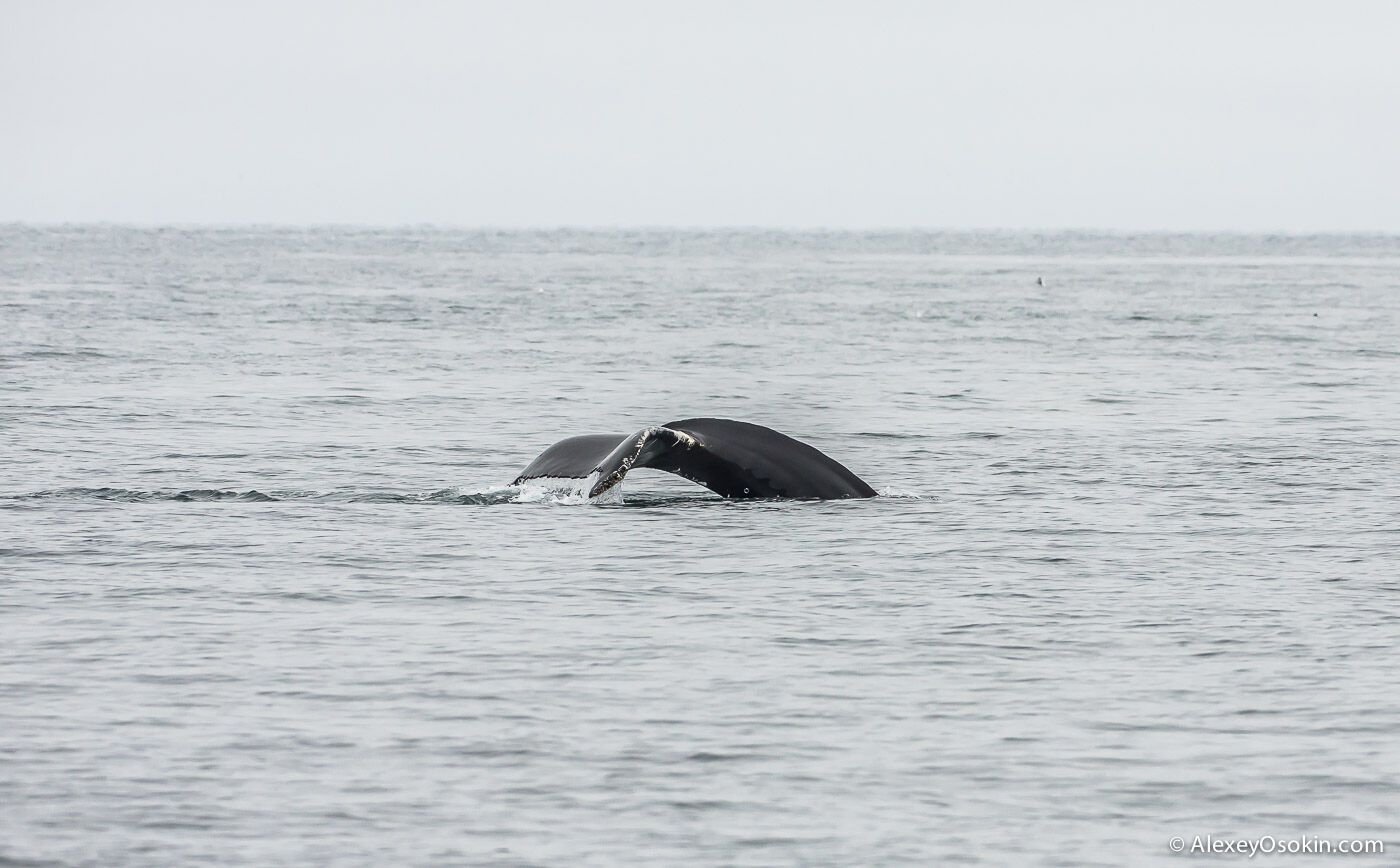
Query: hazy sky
point(1163, 115)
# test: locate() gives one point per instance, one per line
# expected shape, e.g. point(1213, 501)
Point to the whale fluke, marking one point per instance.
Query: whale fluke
point(732, 459)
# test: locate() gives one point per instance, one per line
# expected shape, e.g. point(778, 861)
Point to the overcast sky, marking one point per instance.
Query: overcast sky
point(1116, 115)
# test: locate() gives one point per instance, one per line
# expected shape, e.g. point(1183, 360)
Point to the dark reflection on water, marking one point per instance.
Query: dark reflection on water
point(1132, 574)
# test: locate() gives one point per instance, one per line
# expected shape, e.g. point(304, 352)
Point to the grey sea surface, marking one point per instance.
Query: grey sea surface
point(267, 597)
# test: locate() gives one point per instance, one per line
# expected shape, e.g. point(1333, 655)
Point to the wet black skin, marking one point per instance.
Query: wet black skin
point(732, 459)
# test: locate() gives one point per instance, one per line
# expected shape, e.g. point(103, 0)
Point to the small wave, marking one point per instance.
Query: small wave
point(200, 495)
point(76, 353)
point(889, 435)
point(129, 495)
point(455, 495)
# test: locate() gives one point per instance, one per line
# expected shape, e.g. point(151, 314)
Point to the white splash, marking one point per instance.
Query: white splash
point(564, 491)
point(905, 493)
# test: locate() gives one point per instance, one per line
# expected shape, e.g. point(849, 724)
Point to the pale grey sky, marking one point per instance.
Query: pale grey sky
point(1117, 115)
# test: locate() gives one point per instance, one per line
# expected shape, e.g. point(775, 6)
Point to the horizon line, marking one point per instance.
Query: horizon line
point(795, 229)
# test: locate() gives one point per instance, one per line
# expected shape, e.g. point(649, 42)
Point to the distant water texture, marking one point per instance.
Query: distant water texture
point(268, 598)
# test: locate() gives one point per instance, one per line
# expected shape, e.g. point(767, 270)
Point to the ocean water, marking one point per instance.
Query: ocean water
point(267, 598)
